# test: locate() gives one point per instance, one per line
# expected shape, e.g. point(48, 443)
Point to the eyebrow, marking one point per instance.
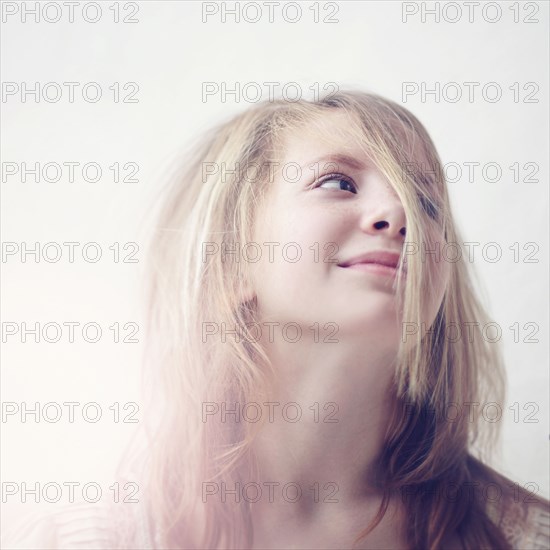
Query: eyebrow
point(338, 158)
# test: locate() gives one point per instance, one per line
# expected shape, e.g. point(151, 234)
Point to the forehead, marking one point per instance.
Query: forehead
point(327, 133)
point(338, 132)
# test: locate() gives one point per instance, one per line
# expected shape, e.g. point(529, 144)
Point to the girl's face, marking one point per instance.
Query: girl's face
point(317, 220)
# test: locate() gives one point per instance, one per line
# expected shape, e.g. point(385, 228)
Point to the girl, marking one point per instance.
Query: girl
point(302, 353)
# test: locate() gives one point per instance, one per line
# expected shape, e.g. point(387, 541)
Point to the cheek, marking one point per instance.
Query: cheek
point(291, 275)
point(312, 234)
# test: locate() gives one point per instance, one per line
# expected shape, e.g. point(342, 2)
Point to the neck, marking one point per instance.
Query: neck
point(330, 406)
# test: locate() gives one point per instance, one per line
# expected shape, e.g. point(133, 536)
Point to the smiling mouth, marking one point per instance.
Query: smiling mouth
point(379, 262)
point(372, 267)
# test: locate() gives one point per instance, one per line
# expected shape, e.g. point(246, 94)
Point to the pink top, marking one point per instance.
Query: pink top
point(94, 527)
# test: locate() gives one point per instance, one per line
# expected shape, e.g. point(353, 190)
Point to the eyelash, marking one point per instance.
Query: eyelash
point(340, 177)
point(427, 205)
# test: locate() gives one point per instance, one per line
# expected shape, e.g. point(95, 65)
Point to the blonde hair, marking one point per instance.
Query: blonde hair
point(422, 453)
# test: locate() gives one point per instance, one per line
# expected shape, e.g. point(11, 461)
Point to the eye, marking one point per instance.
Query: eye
point(429, 207)
point(338, 182)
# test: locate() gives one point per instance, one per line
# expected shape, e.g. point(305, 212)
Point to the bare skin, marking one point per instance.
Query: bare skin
point(353, 373)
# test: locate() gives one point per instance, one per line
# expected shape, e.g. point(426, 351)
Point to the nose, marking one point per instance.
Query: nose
point(384, 215)
point(391, 224)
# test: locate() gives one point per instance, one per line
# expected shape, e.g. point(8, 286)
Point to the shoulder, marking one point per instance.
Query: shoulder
point(536, 533)
point(80, 525)
point(525, 526)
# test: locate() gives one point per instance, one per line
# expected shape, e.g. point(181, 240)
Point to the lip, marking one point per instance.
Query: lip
point(384, 262)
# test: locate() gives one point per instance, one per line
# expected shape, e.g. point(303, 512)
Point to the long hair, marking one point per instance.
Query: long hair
point(211, 201)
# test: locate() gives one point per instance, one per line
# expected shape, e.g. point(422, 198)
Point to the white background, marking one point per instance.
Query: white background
point(170, 52)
